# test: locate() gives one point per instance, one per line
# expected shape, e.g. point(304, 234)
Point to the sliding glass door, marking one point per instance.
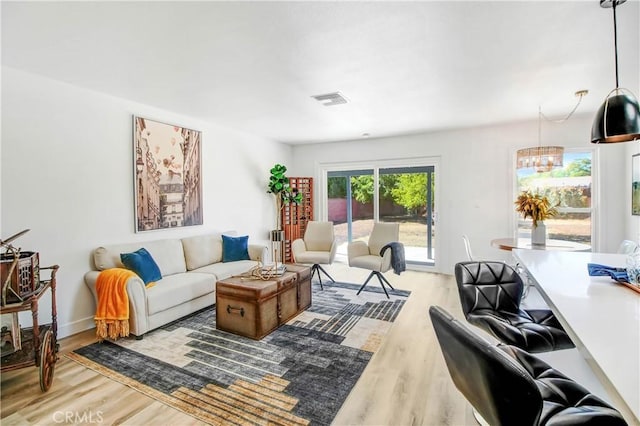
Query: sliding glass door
point(358, 198)
point(350, 205)
point(407, 197)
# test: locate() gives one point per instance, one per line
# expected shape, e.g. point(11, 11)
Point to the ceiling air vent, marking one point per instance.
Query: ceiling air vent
point(330, 99)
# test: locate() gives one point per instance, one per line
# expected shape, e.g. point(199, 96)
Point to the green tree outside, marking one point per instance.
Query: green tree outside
point(567, 196)
point(337, 187)
point(581, 167)
point(405, 189)
point(410, 191)
point(362, 188)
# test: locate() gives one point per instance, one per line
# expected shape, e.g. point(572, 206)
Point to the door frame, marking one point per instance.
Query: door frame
point(322, 170)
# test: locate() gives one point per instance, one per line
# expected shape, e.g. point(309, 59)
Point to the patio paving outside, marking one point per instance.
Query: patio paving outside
point(412, 235)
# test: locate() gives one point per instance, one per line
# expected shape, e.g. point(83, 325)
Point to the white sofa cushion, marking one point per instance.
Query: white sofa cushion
point(168, 254)
point(226, 270)
point(173, 290)
point(202, 250)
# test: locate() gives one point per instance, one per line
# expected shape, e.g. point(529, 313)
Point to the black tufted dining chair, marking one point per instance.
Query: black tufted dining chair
point(508, 386)
point(490, 293)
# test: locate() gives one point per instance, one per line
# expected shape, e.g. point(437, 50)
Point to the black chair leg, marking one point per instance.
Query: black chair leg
point(385, 280)
point(315, 270)
point(381, 279)
point(365, 283)
point(321, 269)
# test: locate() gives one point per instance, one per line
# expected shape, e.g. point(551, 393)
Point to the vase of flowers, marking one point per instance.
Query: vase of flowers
point(538, 208)
point(539, 234)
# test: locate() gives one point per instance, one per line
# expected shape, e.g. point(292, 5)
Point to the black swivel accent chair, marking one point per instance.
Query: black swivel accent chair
point(508, 386)
point(490, 293)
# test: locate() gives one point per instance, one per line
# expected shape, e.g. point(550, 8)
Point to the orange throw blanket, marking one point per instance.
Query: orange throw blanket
point(112, 313)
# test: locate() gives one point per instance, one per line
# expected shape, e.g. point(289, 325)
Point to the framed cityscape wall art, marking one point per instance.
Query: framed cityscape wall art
point(635, 185)
point(167, 167)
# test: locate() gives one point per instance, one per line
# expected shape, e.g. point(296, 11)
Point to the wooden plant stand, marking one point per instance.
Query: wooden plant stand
point(296, 216)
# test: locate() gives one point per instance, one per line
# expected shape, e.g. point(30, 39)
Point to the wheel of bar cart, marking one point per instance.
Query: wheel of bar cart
point(48, 360)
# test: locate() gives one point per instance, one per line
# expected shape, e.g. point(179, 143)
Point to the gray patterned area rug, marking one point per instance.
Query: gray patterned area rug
point(299, 374)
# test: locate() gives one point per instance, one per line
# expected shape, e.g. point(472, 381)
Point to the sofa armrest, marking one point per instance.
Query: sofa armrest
point(137, 293)
point(258, 252)
point(138, 315)
point(90, 279)
point(357, 249)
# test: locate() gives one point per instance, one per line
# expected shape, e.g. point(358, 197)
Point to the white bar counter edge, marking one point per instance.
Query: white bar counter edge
point(601, 316)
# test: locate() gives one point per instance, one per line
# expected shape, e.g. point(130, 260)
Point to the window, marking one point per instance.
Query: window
point(570, 189)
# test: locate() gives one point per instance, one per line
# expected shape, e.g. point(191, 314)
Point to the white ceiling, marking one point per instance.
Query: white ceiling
point(405, 67)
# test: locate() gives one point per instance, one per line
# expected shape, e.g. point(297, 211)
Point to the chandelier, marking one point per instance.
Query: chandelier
point(545, 158)
point(541, 158)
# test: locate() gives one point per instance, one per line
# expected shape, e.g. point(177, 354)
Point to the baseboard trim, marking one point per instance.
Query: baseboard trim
point(75, 327)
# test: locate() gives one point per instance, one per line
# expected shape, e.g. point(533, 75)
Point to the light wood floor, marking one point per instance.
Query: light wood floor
point(405, 383)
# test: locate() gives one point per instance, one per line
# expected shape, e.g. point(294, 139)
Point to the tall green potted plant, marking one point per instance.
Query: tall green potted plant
point(284, 195)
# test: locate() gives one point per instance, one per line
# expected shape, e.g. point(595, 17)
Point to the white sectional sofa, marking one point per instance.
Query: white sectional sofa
point(190, 268)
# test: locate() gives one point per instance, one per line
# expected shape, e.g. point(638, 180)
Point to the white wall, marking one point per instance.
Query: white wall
point(476, 179)
point(67, 174)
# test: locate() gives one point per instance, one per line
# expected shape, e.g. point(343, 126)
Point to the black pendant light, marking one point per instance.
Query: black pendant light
point(618, 119)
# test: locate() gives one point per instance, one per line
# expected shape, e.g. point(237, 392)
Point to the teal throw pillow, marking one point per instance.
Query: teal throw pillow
point(235, 248)
point(141, 262)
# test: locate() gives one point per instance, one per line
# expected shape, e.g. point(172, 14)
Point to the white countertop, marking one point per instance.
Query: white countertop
point(601, 316)
point(525, 243)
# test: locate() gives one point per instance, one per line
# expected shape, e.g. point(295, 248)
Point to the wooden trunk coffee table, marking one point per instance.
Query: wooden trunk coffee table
point(253, 307)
